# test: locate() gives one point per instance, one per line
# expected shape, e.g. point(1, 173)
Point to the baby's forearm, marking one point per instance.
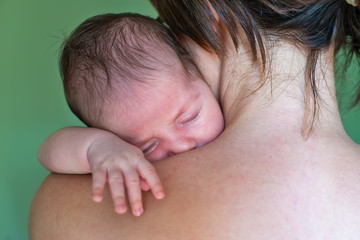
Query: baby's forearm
point(66, 150)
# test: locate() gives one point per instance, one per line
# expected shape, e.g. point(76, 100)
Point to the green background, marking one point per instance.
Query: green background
point(32, 104)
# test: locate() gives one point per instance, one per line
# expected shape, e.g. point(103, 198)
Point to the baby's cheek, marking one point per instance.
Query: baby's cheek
point(218, 128)
point(220, 125)
point(155, 156)
point(151, 158)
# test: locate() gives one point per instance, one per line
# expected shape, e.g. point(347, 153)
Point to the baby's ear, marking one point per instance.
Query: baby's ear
point(214, 13)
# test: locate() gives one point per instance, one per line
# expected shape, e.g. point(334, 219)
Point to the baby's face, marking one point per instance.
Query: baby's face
point(175, 116)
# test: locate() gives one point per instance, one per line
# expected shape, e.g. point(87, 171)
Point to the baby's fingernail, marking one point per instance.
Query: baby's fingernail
point(137, 212)
point(97, 198)
point(160, 194)
point(120, 208)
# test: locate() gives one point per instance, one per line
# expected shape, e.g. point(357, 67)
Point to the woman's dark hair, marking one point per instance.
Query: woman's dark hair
point(113, 52)
point(315, 25)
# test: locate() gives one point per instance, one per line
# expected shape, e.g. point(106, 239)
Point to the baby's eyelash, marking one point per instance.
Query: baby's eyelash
point(190, 120)
point(150, 146)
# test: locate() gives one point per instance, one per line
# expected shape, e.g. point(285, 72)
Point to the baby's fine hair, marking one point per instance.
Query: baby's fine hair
point(107, 55)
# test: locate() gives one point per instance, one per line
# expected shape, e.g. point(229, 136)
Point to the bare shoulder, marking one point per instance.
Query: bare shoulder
point(55, 211)
point(213, 196)
point(199, 193)
point(62, 208)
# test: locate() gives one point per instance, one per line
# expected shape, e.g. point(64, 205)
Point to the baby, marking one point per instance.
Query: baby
point(143, 98)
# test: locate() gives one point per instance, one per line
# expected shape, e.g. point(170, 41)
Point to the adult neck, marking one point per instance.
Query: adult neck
point(276, 103)
point(271, 102)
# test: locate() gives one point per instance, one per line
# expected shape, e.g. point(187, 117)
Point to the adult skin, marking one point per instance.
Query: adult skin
point(260, 179)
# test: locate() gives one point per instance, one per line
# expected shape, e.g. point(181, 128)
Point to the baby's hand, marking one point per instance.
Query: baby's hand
point(122, 165)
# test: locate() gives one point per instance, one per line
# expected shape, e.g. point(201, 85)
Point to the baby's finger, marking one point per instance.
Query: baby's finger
point(99, 180)
point(144, 185)
point(116, 183)
point(132, 182)
point(148, 172)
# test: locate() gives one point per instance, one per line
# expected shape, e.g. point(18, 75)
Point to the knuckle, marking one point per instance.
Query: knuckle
point(99, 170)
point(123, 159)
point(149, 170)
point(134, 181)
point(119, 199)
point(109, 160)
point(116, 179)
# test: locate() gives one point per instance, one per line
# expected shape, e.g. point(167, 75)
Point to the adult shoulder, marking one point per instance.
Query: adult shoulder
point(216, 192)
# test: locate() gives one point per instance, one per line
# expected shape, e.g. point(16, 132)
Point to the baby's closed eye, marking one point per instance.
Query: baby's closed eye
point(150, 146)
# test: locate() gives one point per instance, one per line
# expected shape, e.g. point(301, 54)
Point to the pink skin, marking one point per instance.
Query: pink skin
point(177, 117)
point(173, 115)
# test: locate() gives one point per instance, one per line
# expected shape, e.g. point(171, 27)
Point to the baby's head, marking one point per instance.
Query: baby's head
point(127, 74)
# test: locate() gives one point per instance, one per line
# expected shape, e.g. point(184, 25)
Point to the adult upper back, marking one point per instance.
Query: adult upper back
point(221, 191)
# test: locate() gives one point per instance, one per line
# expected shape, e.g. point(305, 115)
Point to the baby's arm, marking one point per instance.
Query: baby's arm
point(83, 150)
